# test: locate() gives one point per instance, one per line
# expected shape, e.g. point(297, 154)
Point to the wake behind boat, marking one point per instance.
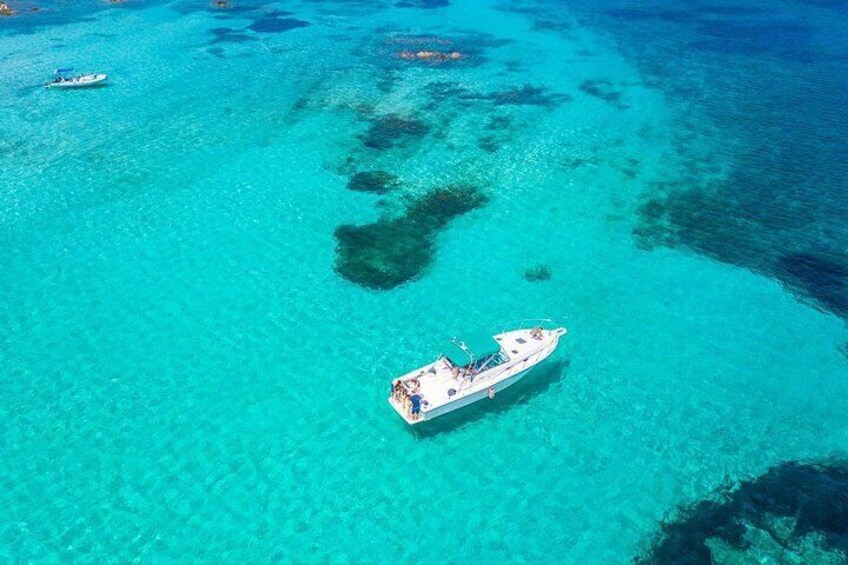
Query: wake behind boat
point(471, 370)
point(62, 80)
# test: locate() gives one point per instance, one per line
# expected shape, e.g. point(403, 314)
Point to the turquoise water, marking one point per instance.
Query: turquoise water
point(186, 377)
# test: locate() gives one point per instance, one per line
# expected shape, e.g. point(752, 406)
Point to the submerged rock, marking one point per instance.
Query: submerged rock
point(382, 255)
point(387, 130)
point(603, 90)
point(652, 209)
point(499, 133)
point(459, 50)
point(277, 21)
point(538, 273)
point(527, 95)
point(229, 35)
point(796, 512)
point(489, 144)
point(437, 56)
point(574, 162)
point(390, 252)
point(378, 182)
point(441, 205)
point(551, 25)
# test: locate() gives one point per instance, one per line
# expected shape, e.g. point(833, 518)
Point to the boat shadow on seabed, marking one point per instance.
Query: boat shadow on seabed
point(522, 392)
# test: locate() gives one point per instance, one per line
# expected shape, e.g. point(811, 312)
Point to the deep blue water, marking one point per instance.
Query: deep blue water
point(772, 80)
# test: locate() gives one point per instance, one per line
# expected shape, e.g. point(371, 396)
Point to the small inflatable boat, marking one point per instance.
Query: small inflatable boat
point(62, 80)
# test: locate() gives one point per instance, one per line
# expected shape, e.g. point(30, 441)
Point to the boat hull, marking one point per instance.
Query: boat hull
point(473, 397)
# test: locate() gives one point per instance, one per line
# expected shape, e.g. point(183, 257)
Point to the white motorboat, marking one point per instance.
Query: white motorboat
point(62, 80)
point(470, 370)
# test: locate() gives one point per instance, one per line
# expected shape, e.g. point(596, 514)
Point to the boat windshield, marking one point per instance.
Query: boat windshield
point(490, 361)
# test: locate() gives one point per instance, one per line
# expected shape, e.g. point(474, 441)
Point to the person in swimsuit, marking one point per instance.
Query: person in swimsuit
point(416, 406)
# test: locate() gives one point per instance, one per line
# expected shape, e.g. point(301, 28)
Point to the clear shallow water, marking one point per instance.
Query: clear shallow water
point(187, 377)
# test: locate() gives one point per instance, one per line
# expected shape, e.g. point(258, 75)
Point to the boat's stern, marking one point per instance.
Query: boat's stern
point(411, 394)
point(403, 411)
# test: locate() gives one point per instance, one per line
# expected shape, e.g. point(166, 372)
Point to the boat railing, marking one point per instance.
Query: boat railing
point(527, 323)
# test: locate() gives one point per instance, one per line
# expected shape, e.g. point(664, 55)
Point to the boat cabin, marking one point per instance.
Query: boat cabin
point(477, 353)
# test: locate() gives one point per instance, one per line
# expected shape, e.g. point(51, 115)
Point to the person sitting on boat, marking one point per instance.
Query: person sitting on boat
point(536, 333)
point(397, 389)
